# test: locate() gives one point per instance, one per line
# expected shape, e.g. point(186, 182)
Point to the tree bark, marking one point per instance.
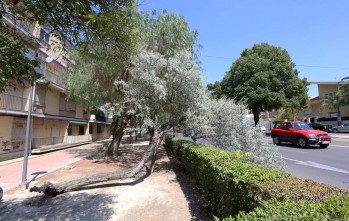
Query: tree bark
point(157, 139)
point(117, 130)
point(255, 116)
point(53, 190)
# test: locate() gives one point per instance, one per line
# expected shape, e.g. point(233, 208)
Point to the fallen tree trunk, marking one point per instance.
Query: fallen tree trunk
point(53, 190)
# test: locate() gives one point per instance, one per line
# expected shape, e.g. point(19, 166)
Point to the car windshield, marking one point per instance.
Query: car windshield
point(301, 126)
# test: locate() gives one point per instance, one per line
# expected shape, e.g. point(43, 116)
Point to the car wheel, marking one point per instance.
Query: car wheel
point(303, 142)
point(276, 140)
point(323, 145)
point(335, 130)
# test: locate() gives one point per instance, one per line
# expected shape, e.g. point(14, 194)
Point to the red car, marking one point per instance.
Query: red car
point(299, 133)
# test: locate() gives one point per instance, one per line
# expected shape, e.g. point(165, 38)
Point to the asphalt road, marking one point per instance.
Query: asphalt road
point(329, 165)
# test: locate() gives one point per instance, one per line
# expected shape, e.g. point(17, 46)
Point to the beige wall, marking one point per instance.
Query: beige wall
point(325, 89)
point(79, 111)
point(52, 102)
point(6, 123)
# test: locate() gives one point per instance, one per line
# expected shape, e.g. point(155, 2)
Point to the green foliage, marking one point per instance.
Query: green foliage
point(15, 67)
point(298, 189)
point(215, 89)
point(333, 209)
point(167, 33)
point(78, 23)
point(284, 114)
point(265, 78)
point(226, 179)
point(336, 100)
point(247, 191)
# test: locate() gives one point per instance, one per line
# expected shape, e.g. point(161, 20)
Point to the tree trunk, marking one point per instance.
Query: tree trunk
point(255, 116)
point(56, 189)
point(130, 137)
point(151, 133)
point(118, 130)
point(157, 139)
point(140, 132)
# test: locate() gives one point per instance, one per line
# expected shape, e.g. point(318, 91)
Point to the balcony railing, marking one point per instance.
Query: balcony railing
point(16, 103)
point(23, 24)
point(55, 78)
point(39, 142)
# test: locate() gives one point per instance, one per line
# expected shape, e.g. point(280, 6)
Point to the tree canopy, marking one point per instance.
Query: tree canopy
point(77, 23)
point(265, 78)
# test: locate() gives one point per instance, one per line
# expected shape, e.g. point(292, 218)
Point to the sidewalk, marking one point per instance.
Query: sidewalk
point(38, 165)
point(164, 195)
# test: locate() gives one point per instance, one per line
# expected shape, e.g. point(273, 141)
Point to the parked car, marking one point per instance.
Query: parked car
point(299, 133)
point(323, 127)
point(342, 128)
point(262, 128)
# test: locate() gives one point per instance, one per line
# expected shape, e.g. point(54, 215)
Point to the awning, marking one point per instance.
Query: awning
point(78, 122)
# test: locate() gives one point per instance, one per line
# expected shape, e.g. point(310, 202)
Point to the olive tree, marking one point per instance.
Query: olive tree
point(226, 125)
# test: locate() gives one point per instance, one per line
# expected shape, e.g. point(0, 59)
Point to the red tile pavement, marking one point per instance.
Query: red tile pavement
point(11, 173)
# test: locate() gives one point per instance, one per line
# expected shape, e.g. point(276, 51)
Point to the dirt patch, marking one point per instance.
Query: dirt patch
point(165, 195)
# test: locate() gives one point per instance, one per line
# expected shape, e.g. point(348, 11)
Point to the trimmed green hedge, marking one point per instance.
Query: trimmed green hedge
point(234, 185)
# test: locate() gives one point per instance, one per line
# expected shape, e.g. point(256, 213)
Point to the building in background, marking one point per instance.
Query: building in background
point(316, 112)
point(57, 121)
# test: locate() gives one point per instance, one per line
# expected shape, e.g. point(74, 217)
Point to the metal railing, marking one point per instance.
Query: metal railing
point(12, 102)
point(46, 141)
point(55, 78)
point(67, 113)
point(37, 142)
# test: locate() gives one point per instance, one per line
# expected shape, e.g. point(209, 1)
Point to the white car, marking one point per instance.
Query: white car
point(262, 128)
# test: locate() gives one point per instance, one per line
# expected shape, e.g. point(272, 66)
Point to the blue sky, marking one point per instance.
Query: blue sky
point(314, 32)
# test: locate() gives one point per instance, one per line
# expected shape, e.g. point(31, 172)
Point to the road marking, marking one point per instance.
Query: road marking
point(317, 165)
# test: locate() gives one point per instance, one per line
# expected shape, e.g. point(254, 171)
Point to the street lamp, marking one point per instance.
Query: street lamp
point(27, 134)
point(27, 141)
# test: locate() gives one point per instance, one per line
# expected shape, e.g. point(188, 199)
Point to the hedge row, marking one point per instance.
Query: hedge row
point(236, 186)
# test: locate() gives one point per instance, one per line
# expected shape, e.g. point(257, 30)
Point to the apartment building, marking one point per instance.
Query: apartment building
point(316, 112)
point(56, 121)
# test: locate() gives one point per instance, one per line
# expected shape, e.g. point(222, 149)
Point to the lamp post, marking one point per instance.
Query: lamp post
point(27, 139)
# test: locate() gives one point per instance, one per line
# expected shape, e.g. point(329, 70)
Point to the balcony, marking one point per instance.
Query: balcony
point(56, 142)
point(67, 113)
point(24, 25)
point(15, 103)
point(55, 78)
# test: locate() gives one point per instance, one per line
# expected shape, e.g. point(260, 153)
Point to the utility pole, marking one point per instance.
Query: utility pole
point(27, 139)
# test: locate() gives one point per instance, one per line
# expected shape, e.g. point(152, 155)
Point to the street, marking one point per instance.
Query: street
point(329, 166)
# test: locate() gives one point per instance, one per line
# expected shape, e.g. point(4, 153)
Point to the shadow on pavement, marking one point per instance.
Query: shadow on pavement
point(78, 206)
point(196, 204)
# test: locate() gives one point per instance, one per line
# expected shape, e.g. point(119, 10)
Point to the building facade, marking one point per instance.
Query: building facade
point(316, 112)
point(56, 121)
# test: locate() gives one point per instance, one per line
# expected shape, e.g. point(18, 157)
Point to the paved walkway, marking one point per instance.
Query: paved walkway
point(38, 165)
point(165, 195)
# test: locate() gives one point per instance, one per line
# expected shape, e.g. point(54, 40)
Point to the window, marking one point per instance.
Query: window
point(44, 35)
point(332, 114)
point(70, 130)
point(81, 130)
point(66, 105)
point(91, 129)
point(286, 126)
point(99, 129)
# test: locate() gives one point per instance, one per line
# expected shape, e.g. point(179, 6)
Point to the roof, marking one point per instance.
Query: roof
point(328, 82)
